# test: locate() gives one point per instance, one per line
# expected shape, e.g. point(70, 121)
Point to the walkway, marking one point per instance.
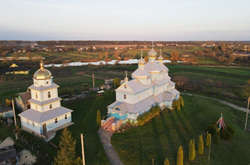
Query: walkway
point(109, 150)
point(220, 101)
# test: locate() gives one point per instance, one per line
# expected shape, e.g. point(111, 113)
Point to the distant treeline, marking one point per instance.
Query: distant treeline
point(102, 42)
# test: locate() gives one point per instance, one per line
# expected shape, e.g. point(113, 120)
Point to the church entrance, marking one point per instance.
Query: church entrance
point(44, 130)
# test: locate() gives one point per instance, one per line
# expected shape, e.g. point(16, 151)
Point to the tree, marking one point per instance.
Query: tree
point(181, 102)
point(116, 82)
point(201, 145)
point(208, 139)
point(66, 155)
point(166, 162)
point(98, 118)
point(7, 102)
point(192, 153)
point(231, 59)
point(180, 156)
point(208, 144)
point(178, 105)
point(174, 56)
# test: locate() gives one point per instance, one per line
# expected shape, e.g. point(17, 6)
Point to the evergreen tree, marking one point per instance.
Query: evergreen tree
point(208, 139)
point(201, 145)
point(178, 105)
point(98, 118)
point(180, 156)
point(182, 102)
point(116, 82)
point(194, 150)
point(191, 150)
point(66, 154)
point(166, 162)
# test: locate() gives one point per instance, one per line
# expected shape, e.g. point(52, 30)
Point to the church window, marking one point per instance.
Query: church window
point(47, 82)
point(49, 94)
point(50, 106)
point(66, 117)
point(124, 96)
point(56, 120)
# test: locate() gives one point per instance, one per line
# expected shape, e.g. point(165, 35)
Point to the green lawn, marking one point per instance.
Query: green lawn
point(161, 137)
point(84, 118)
point(73, 80)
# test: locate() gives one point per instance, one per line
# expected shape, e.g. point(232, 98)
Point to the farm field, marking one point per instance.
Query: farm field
point(161, 137)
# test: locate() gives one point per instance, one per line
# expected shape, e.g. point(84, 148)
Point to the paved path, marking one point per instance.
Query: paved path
point(220, 101)
point(109, 150)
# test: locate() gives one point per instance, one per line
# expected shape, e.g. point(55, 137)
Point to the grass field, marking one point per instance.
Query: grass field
point(84, 118)
point(73, 80)
point(161, 137)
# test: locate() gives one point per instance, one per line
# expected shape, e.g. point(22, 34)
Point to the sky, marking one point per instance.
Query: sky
point(168, 20)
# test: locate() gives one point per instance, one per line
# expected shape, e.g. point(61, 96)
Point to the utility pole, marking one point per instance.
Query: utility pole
point(93, 80)
point(83, 155)
point(14, 112)
point(153, 161)
point(247, 111)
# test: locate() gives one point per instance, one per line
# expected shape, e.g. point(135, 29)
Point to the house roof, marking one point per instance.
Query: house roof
point(40, 117)
point(7, 154)
point(45, 102)
point(140, 72)
point(5, 109)
point(134, 85)
point(25, 96)
point(144, 104)
point(53, 85)
point(150, 67)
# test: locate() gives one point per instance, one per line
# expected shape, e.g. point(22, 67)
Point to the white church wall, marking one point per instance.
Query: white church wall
point(51, 106)
point(35, 127)
point(53, 94)
point(51, 125)
point(38, 83)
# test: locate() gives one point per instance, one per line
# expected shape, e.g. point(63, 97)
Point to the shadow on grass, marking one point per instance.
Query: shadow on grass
point(185, 123)
point(157, 142)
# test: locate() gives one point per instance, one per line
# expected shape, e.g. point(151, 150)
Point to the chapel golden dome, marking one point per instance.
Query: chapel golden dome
point(152, 53)
point(42, 73)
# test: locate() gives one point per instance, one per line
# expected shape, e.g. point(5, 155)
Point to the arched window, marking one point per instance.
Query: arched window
point(124, 96)
point(49, 94)
point(50, 106)
point(56, 120)
point(66, 117)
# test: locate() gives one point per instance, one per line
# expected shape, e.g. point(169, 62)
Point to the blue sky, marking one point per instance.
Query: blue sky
point(125, 20)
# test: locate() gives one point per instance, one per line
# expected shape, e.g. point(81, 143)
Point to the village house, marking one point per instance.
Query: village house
point(6, 112)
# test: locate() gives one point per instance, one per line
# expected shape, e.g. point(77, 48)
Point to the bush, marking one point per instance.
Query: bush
point(147, 116)
point(225, 134)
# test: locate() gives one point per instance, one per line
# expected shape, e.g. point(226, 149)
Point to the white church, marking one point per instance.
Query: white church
point(150, 86)
point(46, 115)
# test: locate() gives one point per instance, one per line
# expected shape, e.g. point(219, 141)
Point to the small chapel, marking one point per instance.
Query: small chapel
point(150, 85)
point(46, 115)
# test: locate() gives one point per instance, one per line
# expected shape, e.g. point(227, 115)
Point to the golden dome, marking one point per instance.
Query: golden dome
point(152, 53)
point(42, 74)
